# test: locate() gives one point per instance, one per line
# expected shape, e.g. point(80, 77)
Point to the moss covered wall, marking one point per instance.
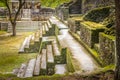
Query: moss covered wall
point(90, 35)
point(74, 24)
point(107, 48)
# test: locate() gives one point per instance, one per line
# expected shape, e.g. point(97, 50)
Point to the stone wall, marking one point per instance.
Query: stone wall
point(89, 35)
point(75, 7)
point(4, 26)
point(22, 26)
point(64, 10)
point(74, 24)
point(107, 48)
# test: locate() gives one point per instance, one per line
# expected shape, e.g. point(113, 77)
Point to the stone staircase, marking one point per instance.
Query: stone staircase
point(45, 63)
point(31, 44)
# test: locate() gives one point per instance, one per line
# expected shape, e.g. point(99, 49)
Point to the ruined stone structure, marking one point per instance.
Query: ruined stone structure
point(75, 7)
point(67, 9)
point(91, 4)
point(31, 7)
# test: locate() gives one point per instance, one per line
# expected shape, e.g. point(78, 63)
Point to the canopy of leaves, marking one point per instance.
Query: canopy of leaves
point(1, 4)
point(52, 3)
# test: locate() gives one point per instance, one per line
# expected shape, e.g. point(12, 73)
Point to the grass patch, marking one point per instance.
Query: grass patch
point(9, 47)
point(13, 77)
point(2, 32)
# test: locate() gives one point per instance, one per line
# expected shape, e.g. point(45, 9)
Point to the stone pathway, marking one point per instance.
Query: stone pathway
point(54, 21)
point(60, 69)
point(79, 53)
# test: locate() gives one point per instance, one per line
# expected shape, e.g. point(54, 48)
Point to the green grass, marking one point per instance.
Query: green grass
point(9, 57)
point(2, 32)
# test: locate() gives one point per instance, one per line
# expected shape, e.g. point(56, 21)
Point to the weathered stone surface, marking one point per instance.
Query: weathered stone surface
point(21, 50)
point(107, 48)
point(21, 71)
point(50, 60)
point(55, 49)
point(37, 66)
point(43, 68)
point(75, 7)
point(30, 68)
point(90, 34)
point(74, 24)
point(50, 57)
point(60, 69)
point(4, 26)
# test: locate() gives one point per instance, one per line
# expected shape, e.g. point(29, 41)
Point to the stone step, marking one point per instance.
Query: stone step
point(43, 68)
point(43, 29)
point(60, 69)
point(55, 49)
point(46, 27)
point(21, 71)
point(50, 60)
point(37, 66)
point(57, 53)
point(30, 68)
point(28, 41)
point(50, 57)
point(21, 50)
point(49, 25)
point(37, 36)
point(40, 33)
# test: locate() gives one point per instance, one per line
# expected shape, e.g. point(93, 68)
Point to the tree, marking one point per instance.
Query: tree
point(14, 17)
point(117, 70)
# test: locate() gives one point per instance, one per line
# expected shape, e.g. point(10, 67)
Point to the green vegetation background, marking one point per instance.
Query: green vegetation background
point(48, 3)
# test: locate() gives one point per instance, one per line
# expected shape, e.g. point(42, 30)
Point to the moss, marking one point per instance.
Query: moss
point(70, 66)
point(109, 67)
point(9, 47)
point(92, 25)
point(50, 68)
point(89, 33)
point(98, 14)
point(108, 36)
point(63, 53)
point(43, 71)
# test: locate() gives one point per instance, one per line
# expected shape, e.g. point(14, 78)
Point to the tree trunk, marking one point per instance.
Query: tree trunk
point(14, 29)
point(117, 70)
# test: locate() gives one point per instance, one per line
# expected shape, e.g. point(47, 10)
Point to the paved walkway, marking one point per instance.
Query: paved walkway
point(79, 53)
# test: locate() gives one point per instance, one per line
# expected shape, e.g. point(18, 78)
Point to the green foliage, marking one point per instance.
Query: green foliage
point(98, 14)
point(52, 3)
point(2, 4)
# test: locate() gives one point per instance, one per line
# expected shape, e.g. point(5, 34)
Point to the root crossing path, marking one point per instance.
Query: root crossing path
point(84, 62)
